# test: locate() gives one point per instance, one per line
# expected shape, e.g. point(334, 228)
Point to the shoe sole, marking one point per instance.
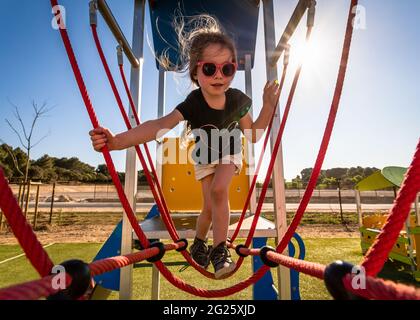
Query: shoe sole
point(220, 273)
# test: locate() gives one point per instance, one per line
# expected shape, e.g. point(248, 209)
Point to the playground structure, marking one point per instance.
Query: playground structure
point(338, 276)
point(405, 248)
point(179, 188)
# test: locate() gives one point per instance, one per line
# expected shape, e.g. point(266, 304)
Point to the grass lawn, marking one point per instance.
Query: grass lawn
point(320, 250)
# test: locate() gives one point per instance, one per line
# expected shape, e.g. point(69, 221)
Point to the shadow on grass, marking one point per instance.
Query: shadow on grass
point(398, 272)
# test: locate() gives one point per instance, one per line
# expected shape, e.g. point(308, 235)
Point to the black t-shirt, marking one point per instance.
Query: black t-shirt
point(217, 132)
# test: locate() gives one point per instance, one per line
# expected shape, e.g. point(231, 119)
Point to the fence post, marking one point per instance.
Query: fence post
point(52, 204)
point(27, 197)
point(36, 207)
point(20, 192)
point(340, 201)
point(22, 195)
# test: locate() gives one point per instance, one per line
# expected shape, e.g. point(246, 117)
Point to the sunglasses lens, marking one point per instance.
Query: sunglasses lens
point(209, 69)
point(228, 69)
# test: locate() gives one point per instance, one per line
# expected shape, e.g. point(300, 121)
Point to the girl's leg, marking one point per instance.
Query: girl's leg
point(204, 219)
point(219, 193)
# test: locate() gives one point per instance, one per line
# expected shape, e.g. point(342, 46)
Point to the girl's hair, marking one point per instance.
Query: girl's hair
point(195, 34)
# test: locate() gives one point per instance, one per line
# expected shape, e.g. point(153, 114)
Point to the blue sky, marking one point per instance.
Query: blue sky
point(377, 123)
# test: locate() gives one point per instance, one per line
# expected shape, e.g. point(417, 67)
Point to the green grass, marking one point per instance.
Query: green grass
point(320, 250)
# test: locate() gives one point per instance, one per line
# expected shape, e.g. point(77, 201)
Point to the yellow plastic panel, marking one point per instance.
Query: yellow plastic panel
point(180, 188)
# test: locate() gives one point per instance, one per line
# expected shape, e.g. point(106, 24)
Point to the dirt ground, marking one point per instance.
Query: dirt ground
point(99, 233)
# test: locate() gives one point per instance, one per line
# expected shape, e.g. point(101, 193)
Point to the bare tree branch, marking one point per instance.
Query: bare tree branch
point(17, 133)
point(39, 112)
point(17, 116)
point(36, 143)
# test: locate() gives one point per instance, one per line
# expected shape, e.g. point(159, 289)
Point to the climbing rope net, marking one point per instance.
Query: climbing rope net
point(340, 277)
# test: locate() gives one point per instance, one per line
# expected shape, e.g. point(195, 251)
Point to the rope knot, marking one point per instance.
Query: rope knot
point(184, 246)
point(264, 258)
point(333, 277)
point(79, 272)
point(161, 253)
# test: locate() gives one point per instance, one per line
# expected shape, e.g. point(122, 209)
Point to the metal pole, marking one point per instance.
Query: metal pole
point(251, 152)
point(52, 204)
point(130, 185)
point(161, 113)
point(159, 155)
point(279, 196)
point(289, 30)
point(131, 54)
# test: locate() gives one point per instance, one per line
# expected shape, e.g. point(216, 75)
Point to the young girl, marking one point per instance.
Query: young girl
point(214, 111)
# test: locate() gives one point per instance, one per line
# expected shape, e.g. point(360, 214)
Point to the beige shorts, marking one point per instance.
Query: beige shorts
point(203, 170)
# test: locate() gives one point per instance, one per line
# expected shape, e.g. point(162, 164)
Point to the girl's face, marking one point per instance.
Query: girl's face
point(218, 83)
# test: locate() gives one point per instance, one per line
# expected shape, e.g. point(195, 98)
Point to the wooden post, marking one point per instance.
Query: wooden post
point(36, 207)
point(52, 204)
point(359, 207)
point(340, 201)
point(20, 192)
point(22, 195)
point(27, 197)
point(1, 219)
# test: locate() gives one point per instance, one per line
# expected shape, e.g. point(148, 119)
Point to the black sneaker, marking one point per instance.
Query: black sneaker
point(200, 253)
point(221, 260)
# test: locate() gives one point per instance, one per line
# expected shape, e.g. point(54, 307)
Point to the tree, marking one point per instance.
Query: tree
point(297, 182)
point(25, 133)
point(306, 174)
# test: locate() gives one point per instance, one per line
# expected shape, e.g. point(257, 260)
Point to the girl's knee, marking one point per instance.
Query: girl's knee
point(219, 193)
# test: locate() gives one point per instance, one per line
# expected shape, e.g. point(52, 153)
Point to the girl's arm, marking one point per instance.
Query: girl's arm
point(253, 131)
point(147, 131)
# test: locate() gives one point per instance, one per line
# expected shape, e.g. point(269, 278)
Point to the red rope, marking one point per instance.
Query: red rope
point(327, 134)
point(174, 280)
point(32, 290)
point(108, 264)
point(162, 206)
point(22, 230)
point(273, 157)
point(159, 198)
point(146, 148)
point(379, 289)
point(257, 170)
point(111, 168)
